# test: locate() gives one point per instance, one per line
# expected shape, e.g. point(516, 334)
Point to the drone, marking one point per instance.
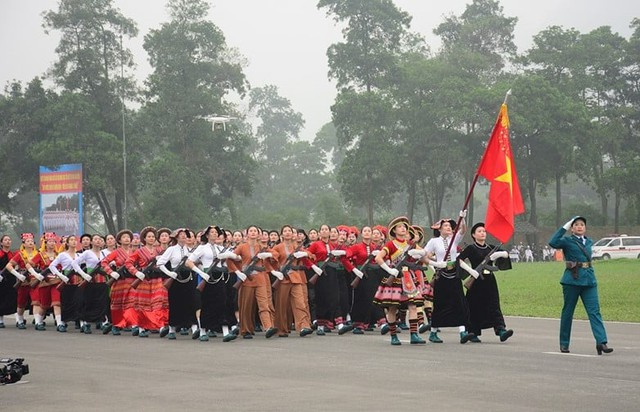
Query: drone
point(216, 119)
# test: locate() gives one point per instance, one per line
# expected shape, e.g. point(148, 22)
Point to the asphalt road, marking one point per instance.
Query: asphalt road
point(72, 371)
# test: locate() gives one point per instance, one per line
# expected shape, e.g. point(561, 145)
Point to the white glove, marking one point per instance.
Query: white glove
point(375, 252)
point(392, 271)
point(300, 254)
point(463, 213)
point(469, 269)
point(358, 272)
point(417, 253)
point(567, 225)
point(241, 275)
point(497, 255)
point(1, 278)
point(225, 255)
point(317, 270)
point(265, 255)
point(114, 275)
point(172, 275)
point(277, 274)
point(63, 278)
point(36, 274)
point(234, 256)
point(438, 265)
point(113, 264)
point(337, 253)
point(85, 276)
point(202, 273)
point(18, 276)
point(139, 275)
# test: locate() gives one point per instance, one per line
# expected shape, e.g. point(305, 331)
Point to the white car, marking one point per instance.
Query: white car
point(616, 247)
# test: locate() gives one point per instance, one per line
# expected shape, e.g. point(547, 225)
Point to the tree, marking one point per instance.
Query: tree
point(552, 57)
point(375, 33)
point(476, 47)
point(193, 70)
point(90, 59)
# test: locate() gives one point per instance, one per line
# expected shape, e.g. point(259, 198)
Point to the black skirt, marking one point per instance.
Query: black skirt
point(184, 300)
point(215, 308)
point(361, 309)
point(8, 295)
point(95, 302)
point(484, 305)
point(449, 303)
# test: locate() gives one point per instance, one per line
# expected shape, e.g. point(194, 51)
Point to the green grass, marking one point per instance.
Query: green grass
point(533, 289)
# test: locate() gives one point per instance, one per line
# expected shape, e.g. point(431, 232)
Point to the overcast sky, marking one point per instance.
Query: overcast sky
point(285, 41)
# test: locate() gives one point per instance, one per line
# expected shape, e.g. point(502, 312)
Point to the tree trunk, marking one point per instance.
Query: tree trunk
point(533, 213)
point(411, 203)
point(119, 210)
point(370, 200)
point(616, 212)
point(558, 199)
point(103, 204)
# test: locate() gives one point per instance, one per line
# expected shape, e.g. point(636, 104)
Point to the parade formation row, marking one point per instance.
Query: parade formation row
point(217, 282)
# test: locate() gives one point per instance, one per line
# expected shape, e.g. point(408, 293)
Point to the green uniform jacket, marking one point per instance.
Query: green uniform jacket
point(573, 253)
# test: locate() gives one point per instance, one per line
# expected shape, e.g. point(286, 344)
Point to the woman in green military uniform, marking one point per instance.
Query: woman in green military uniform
point(578, 281)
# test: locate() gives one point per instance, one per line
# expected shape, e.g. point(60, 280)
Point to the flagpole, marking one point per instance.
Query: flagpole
point(470, 193)
point(506, 96)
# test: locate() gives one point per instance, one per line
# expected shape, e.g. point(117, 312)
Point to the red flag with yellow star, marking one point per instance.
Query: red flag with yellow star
point(497, 166)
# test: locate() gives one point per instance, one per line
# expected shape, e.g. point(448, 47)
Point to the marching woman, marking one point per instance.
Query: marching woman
point(110, 245)
point(579, 281)
point(400, 288)
point(450, 307)
point(69, 298)
point(251, 265)
point(224, 248)
point(212, 284)
point(482, 292)
point(95, 292)
point(159, 294)
point(369, 276)
point(326, 253)
point(289, 295)
point(20, 261)
point(140, 263)
point(45, 294)
point(183, 298)
point(8, 295)
point(123, 311)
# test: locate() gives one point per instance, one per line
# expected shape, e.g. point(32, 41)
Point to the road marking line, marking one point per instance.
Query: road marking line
point(570, 354)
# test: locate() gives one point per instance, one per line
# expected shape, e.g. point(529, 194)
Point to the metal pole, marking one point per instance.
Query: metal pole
point(124, 137)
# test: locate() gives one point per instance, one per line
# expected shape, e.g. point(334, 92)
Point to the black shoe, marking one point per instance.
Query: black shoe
point(247, 336)
point(195, 334)
point(270, 332)
point(345, 329)
point(602, 347)
point(235, 331)
point(184, 331)
point(283, 335)
point(106, 328)
point(164, 331)
point(358, 331)
point(135, 331)
point(305, 331)
point(506, 334)
point(466, 337)
point(564, 349)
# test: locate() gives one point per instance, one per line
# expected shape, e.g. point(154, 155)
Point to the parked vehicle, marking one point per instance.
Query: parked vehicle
point(616, 247)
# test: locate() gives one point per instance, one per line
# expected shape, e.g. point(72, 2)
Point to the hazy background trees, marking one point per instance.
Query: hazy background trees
point(409, 122)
